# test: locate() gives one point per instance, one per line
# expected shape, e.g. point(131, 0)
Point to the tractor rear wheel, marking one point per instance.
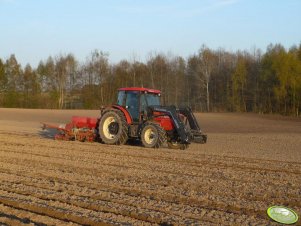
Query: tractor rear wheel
point(177, 145)
point(153, 135)
point(113, 128)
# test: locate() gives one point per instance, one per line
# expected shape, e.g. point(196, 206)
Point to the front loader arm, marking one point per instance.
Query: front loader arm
point(171, 111)
point(196, 134)
point(186, 135)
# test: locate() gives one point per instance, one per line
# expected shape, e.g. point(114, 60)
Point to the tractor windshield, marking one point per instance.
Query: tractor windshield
point(152, 99)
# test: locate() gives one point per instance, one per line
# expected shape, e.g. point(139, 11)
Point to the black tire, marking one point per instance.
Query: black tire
point(177, 145)
point(113, 128)
point(153, 135)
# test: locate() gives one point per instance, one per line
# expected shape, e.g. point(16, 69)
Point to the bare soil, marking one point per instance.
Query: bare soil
point(249, 163)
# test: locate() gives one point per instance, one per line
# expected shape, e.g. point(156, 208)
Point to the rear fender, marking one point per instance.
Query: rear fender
point(125, 112)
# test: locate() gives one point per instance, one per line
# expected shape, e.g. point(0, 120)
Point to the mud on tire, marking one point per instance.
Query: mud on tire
point(113, 128)
point(153, 135)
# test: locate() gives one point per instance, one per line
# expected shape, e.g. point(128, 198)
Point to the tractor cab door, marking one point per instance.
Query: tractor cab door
point(132, 104)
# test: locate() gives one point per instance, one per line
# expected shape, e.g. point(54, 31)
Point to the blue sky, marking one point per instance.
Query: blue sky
point(35, 29)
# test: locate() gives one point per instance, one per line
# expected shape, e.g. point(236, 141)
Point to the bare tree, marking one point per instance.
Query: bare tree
point(207, 62)
point(64, 68)
point(3, 78)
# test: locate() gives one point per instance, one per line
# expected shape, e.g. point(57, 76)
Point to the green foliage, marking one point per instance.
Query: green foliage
point(281, 76)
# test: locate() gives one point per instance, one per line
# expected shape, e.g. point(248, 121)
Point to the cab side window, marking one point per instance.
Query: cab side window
point(132, 100)
point(120, 99)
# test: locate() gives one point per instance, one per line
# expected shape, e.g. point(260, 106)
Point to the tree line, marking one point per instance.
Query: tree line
point(209, 80)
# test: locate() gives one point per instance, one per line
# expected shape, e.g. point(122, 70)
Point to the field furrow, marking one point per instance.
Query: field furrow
point(231, 180)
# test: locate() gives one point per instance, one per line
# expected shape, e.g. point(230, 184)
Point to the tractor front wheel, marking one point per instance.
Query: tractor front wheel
point(153, 135)
point(113, 128)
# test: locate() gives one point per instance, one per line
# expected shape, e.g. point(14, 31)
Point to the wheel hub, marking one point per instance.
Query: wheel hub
point(113, 128)
point(109, 129)
point(149, 136)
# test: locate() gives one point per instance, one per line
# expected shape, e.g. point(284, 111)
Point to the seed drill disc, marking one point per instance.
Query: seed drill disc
point(282, 214)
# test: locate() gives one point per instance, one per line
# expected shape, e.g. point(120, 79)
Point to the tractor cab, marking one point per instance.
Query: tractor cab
point(136, 100)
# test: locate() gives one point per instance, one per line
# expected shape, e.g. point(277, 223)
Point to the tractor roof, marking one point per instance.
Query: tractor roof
point(141, 89)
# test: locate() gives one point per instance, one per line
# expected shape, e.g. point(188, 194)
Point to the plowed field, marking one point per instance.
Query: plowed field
point(249, 163)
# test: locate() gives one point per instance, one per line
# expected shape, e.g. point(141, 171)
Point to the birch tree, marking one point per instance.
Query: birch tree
point(207, 62)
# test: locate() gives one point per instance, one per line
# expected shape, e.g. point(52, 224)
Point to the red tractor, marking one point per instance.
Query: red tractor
point(138, 115)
